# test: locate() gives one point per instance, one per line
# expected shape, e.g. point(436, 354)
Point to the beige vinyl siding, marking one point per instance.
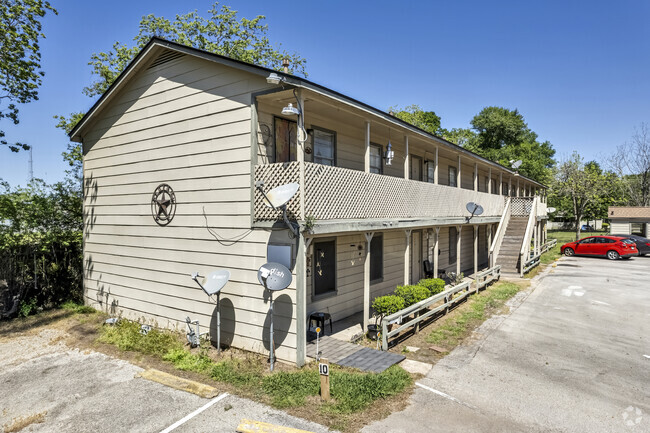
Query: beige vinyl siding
point(185, 123)
point(467, 176)
point(350, 267)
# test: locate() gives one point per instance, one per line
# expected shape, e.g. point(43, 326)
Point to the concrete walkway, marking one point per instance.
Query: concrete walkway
point(572, 356)
point(353, 355)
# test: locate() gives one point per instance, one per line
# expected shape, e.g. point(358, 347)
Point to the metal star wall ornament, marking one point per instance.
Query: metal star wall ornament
point(163, 204)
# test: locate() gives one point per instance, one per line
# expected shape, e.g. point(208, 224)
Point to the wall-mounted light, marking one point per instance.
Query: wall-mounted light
point(274, 78)
point(388, 157)
point(290, 110)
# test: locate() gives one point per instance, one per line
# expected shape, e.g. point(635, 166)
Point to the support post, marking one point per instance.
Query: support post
point(301, 300)
point(366, 157)
point(458, 175)
point(435, 169)
point(324, 379)
point(301, 152)
point(475, 177)
point(406, 158)
point(489, 244)
point(458, 237)
point(490, 180)
point(366, 283)
point(501, 183)
point(436, 246)
point(407, 258)
point(476, 256)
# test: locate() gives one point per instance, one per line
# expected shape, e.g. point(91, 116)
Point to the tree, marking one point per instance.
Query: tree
point(20, 57)
point(631, 162)
point(428, 121)
point(580, 186)
point(502, 135)
point(459, 136)
point(221, 33)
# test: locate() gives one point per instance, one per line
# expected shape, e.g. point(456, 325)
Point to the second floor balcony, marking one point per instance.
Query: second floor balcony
point(334, 194)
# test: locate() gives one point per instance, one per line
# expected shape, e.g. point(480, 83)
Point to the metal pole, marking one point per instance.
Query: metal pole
point(271, 332)
point(218, 324)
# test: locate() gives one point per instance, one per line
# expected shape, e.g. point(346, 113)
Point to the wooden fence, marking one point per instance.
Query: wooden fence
point(436, 303)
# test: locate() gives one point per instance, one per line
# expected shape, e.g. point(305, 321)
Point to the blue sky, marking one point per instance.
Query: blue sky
point(576, 70)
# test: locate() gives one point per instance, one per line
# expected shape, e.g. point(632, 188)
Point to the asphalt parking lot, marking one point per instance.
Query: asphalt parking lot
point(62, 390)
point(573, 356)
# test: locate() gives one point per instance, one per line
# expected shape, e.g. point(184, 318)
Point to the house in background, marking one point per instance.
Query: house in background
point(178, 155)
point(629, 220)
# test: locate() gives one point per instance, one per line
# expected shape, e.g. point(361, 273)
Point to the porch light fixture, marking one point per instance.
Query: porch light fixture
point(389, 154)
point(290, 110)
point(274, 78)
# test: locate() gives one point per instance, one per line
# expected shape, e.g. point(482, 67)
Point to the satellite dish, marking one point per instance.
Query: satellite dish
point(274, 276)
point(515, 164)
point(550, 209)
point(474, 208)
point(215, 281)
point(280, 195)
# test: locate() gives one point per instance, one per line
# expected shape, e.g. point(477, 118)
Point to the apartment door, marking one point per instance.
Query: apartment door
point(416, 168)
point(416, 256)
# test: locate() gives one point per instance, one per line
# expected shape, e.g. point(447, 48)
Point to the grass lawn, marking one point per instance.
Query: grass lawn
point(358, 398)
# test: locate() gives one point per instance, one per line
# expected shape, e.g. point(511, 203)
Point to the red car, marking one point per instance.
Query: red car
point(612, 247)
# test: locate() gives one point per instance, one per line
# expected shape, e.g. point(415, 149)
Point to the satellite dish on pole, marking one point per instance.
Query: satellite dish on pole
point(212, 285)
point(274, 277)
point(515, 164)
point(278, 197)
point(474, 209)
point(550, 209)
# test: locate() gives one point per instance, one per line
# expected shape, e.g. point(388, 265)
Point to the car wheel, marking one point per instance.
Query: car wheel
point(612, 255)
point(569, 252)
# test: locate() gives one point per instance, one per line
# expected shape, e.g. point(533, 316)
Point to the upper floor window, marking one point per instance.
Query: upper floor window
point(285, 140)
point(324, 147)
point(375, 159)
point(453, 176)
point(431, 171)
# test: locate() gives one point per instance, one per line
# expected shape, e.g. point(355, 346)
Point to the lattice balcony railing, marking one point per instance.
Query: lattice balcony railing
point(338, 193)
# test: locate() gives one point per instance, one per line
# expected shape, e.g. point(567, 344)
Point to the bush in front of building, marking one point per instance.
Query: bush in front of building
point(435, 285)
point(387, 305)
point(412, 294)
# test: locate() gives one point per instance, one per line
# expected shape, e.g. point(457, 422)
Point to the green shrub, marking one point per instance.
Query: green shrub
point(412, 294)
point(435, 285)
point(126, 335)
point(186, 361)
point(387, 305)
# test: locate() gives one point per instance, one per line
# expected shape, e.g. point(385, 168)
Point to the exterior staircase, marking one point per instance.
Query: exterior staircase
point(511, 246)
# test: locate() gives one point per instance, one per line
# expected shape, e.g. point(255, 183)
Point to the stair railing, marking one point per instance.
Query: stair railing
point(500, 233)
point(528, 236)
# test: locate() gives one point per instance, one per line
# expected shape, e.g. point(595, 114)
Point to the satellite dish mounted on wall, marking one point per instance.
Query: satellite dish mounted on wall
point(515, 164)
point(474, 209)
point(274, 277)
point(278, 197)
point(212, 285)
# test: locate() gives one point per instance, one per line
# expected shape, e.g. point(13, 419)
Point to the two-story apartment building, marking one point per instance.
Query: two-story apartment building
point(180, 151)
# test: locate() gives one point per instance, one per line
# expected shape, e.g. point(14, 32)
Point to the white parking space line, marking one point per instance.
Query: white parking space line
point(442, 394)
point(600, 302)
point(195, 413)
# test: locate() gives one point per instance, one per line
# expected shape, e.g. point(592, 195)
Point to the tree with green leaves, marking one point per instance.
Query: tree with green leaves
point(222, 32)
point(428, 121)
point(581, 187)
point(20, 58)
point(502, 135)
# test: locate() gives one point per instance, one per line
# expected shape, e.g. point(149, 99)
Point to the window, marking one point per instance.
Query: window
point(324, 267)
point(377, 258)
point(431, 166)
point(285, 140)
point(375, 159)
point(324, 145)
point(453, 176)
point(453, 239)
